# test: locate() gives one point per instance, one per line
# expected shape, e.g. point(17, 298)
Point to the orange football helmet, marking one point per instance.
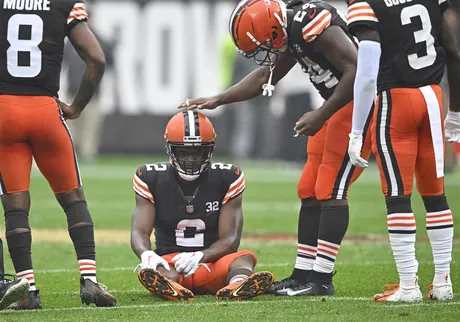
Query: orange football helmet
point(258, 29)
point(190, 143)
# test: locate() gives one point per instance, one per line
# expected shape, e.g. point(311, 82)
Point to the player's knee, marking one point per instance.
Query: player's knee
point(245, 258)
point(435, 203)
point(16, 222)
point(78, 215)
point(69, 197)
point(398, 204)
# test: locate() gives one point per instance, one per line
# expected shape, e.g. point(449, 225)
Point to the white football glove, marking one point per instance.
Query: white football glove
point(187, 263)
point(151, 260)
point(452, 127)
point(354, 150)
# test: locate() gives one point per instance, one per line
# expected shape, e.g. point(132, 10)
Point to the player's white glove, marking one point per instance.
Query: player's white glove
point(354, 150)
point(452, 127)
point(151, 260)
point(187, 263)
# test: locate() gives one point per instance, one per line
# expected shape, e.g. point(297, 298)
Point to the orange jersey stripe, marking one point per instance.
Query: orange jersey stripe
point(317, 26)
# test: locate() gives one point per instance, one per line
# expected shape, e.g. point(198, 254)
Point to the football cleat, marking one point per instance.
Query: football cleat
point(96, 293)
point(280, 288)
point(160, 285)
point(251, 286)
point(12, 291)
point(30, 302)
point(312, 288)
point(395, 293)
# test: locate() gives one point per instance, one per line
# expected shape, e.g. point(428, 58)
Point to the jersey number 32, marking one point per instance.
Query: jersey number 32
point(27, 47)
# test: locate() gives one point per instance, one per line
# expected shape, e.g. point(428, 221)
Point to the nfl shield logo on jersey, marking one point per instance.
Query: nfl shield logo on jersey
point(189, 208)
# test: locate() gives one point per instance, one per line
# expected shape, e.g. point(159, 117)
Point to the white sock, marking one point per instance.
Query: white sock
point(29, 276)
point(306, 255)
point(440, 229)
point(237, 278)
point(401, 229)
point(88, 269)
point(325, 256)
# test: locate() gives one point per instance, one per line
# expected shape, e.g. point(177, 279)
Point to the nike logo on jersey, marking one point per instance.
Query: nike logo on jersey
point(237, 171)
point(312, 15)
point(350, 2)
point(139, 172)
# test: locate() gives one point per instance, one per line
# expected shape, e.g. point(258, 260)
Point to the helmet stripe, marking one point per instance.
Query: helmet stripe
point(197, 123)
point(186, 124)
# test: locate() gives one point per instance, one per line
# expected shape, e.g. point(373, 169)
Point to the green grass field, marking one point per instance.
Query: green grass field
point(364, 265)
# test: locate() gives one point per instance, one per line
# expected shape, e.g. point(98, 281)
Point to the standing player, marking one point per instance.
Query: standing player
point(32, 124)
point(196, 209)
point(312, 34)
point(403, 49)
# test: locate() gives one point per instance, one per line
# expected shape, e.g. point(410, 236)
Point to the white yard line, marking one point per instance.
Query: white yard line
point(235, 303)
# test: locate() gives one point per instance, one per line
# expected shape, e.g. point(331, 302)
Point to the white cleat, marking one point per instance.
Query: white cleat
point(442, 289)
point(394, 293)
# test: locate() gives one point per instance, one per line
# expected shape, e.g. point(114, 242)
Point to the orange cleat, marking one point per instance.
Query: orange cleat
point(251, 286)
point(159, 285)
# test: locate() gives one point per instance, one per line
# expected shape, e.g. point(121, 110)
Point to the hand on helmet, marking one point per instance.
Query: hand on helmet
point(202, 103)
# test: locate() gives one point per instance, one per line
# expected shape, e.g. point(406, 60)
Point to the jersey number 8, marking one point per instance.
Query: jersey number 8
point(18, 45)
point(423, 35)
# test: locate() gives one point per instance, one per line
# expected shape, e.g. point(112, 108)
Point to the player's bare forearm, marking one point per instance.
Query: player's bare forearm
point(220, 248)
point(89, 84)
point(341, 52)
point(230, 228)
point(449, 42)
point(89, 49)
point(251, 86)
point(140, 242)
point(343, 94)
point(142, 223)
point(248, 88)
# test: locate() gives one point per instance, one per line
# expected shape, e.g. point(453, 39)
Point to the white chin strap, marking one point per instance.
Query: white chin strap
point(269, 87)
point(188, 177)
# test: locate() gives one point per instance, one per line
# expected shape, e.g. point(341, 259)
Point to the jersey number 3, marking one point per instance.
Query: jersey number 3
point(29, 47)
point(423, 35)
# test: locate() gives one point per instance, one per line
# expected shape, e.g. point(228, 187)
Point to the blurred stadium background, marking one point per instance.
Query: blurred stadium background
point(159, 53)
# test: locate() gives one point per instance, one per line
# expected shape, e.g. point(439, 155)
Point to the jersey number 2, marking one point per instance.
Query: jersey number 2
point(28, 46)
point(197, 236)
point(423, 35)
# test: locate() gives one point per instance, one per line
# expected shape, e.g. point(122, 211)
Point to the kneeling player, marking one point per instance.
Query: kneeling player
point(196, 209)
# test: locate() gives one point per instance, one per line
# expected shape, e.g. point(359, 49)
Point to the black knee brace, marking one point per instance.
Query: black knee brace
point(78, 213)
point(81, 230)
point(19, 238)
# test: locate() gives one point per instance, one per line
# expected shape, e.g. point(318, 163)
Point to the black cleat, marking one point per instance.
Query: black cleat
point(312, 288)
point(280, 288)
point(12, 291)
point(96, 293)
point(30, 302)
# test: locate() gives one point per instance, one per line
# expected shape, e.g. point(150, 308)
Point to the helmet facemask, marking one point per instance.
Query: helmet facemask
point(190, 159)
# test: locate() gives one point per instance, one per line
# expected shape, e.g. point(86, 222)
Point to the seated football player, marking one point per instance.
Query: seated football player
point(195, 207)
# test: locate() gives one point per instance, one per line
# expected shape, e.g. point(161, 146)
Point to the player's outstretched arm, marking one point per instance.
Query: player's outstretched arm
point(89, 49)
point(248, 88)
point(230, 228)
point(142, 225)
point(449, 42)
